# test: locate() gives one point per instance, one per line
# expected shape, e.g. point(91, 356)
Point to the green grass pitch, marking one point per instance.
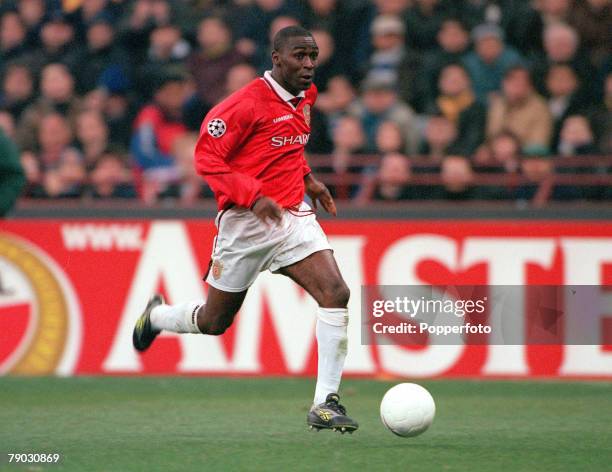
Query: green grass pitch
point(217, 424)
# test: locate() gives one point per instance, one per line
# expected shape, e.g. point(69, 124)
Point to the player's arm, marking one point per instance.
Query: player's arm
point(318, 192)
point(315, 189)
point(223, 131)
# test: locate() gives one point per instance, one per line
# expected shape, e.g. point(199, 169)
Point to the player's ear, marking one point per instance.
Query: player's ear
point(275, 57)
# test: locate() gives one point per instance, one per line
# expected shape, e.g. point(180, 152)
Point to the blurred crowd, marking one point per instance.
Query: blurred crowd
point(105, 98)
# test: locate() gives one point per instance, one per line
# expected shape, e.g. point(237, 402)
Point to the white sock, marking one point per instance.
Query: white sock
point(181, 318)
point(332, 343)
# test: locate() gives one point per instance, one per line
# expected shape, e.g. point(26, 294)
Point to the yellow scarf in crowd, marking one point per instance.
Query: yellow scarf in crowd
point(451, 107)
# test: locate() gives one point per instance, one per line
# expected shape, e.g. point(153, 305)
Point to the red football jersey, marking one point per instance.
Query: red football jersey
point(252, 144)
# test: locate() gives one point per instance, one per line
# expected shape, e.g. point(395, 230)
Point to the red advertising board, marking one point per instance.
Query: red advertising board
point(71, 290)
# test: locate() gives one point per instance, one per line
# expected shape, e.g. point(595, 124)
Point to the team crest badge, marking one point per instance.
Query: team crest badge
point(307, 114)
point(217, 269)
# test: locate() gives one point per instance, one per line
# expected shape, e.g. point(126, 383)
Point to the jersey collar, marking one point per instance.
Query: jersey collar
point(280, 91)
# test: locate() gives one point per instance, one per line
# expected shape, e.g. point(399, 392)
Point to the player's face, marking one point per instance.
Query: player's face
point(296, 62)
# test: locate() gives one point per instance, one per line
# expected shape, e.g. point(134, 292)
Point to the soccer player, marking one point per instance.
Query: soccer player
point(251, 153)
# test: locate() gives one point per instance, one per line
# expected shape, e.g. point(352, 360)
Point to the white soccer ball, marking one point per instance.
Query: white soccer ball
point(407, 409)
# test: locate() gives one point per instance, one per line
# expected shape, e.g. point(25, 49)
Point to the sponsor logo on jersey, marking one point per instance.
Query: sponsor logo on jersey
point(282, 118)
point(280, 141)
point(216, 127)
point(306, 111)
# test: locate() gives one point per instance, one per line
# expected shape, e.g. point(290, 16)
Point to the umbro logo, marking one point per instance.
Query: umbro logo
point(282, 118)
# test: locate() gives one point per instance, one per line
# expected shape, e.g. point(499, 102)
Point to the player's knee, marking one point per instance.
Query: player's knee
point(337, 295)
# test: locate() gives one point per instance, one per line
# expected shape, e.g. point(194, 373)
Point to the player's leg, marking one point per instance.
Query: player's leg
point(319, 275)
point(212, 317)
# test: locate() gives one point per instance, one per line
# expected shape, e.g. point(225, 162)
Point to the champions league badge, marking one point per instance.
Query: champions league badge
point(216, 127)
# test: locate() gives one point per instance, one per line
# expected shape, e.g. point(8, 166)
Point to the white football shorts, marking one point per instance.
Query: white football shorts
point(245, 245)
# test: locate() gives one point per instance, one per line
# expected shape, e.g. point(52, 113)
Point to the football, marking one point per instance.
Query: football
point(407, 409)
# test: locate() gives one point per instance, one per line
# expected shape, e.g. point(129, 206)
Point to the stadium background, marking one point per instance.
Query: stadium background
point(465, 141)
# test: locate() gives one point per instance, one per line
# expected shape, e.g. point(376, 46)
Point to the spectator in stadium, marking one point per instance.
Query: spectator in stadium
point(324, 14)
point(156, 128)
point(56, 43)
point(440, 134)
point(142, 19)
point(564, 97)
point(521, 110)
point(453, 42)
point(67, 179)
point(389, 138)
point(90, 11)
point(349, 139)
point(601, 118)
point(457, 180)
point(490, 60)
point(561, 45)
point(458, 104)
point(117, 107)
point(554, 11)
point(167, 50)
point(261, 58)
point(7, 125)
point(380, 102)
point(237, 77)
point(358, 34)
point(12, 177)
point(339, 96)
point(391, 183)
point(53, 138)
point(32, 13)
point(33, 175)
point(191, 186)
point(253, 23)
point(92, 136)
point(331, 16)
point(423, 21)
point(210, 63)
point(593, 22)
point(12, 39)
point(327, 63)
point(540, 186)
point(391, 58)
point(102, 60)
point(60, 166)
point(56, 95)
point(111, 177)
point(576, 137)
point(539, 175)
point(501, 156)
point(522, 24)
point(17, 90)
point(503, 151)
point(330, 107)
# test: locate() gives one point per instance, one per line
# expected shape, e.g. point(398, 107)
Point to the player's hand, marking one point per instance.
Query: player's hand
point(267, 209)
point(318, 192)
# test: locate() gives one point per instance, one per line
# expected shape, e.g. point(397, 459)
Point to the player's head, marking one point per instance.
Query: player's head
point(294, 58)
